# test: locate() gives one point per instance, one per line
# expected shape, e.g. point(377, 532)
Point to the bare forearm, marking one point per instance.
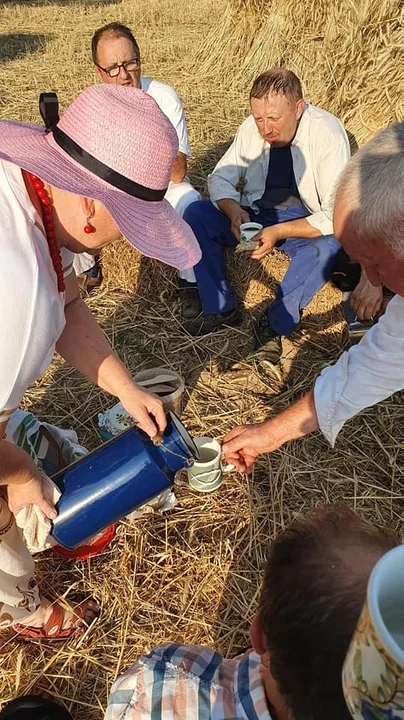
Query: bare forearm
point(179, 168)
point(84, 346)
point(297, 229)
point(298, 420)
point(228, 206)
point(25, 483)
point(244, 443)
point(15, 464)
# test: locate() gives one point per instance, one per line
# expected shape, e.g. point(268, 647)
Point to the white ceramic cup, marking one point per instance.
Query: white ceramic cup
point(249, 230)
point(373, 674)
point(206, 474)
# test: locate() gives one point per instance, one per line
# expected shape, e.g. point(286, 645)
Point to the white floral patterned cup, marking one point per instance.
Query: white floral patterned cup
point(373, 674)
point(249, 230)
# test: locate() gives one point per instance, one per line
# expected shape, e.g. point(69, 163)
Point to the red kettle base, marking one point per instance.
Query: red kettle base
point(82, 552)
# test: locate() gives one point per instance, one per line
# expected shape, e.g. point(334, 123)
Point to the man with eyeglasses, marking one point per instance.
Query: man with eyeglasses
point(116, 57)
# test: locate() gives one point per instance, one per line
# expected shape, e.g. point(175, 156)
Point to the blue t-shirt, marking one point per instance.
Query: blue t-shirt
point(280, 188)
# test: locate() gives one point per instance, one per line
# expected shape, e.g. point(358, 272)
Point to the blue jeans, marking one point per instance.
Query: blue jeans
point(310, 267)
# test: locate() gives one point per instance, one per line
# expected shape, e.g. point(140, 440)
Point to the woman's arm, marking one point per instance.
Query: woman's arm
point(22, 477)
point(84, 346)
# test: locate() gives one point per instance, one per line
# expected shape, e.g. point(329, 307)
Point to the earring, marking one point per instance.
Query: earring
point(88, 228)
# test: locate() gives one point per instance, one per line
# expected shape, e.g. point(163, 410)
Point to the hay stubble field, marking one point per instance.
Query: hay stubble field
point(193, 574)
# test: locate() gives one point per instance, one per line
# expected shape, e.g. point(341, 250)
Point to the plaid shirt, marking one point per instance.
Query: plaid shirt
point(189, 682)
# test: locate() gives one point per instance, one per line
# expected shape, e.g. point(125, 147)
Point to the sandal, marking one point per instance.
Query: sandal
point(52, 628)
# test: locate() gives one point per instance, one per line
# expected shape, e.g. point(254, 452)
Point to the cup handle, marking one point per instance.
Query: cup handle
point(226, 468)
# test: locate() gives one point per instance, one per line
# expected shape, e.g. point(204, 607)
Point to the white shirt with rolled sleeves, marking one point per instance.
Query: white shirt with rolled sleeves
point(320, 151)
point(368, 373)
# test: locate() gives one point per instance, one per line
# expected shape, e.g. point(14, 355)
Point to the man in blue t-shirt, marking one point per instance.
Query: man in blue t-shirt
point(287, 155)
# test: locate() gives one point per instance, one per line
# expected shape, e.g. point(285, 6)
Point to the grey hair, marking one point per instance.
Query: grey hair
point(372, 186)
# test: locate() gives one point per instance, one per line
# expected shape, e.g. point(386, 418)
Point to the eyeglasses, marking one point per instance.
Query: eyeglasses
point(114, 70)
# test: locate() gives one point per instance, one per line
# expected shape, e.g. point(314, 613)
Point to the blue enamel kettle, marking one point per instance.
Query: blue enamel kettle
point(116, 478)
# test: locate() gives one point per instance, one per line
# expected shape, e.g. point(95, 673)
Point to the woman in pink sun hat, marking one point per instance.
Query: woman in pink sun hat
point(100, 171)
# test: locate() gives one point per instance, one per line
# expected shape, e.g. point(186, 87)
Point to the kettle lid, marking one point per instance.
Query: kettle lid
point(185, 436)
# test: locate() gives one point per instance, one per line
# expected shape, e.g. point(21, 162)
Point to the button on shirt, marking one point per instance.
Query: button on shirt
point(368, 373)
point(187, 682)
point(320, 151)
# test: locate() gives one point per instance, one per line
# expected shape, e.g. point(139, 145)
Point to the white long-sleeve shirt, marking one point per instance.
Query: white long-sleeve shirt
point(368, 373)
point(320, 151)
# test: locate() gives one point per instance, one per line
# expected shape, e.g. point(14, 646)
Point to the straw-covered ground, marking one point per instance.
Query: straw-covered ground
point(193, 575)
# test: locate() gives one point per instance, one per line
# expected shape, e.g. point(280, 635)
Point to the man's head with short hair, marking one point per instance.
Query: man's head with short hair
point(116, 55)
point(313, 592)
point(277, 81)
point(277, 105)
point(369, 208)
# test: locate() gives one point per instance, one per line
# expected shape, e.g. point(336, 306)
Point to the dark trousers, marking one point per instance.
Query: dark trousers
point(310, 267)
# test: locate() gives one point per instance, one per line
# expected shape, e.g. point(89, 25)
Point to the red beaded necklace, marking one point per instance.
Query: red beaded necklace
point(47, 215)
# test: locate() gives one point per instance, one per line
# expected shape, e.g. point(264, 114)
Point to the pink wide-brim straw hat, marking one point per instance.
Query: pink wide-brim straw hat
point(129, 145)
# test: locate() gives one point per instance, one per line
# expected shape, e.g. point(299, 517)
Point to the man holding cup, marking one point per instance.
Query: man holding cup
point(368, 220)
point(116, 57)
point(287, 155)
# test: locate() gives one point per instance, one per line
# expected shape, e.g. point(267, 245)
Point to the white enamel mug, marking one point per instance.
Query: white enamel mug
point(249, 230)
point(206, 474)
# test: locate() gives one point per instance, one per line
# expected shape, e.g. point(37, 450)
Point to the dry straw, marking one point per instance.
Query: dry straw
point(349, 55)
point(193, 575)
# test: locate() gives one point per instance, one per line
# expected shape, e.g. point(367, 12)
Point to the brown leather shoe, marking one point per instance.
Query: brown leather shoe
point(204, 324)
point(189, 300)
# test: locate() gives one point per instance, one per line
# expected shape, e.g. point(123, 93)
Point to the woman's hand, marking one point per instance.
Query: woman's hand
point(366, 299)
point(146, 408)
point(84, 346)
point(35, 491)
point(26, 485)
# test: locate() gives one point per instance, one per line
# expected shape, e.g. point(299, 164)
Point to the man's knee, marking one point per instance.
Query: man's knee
point(195, 212)
point(181, 195)
point(326, 247)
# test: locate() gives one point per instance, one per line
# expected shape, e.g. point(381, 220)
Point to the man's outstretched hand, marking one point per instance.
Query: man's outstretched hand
point(244, 443)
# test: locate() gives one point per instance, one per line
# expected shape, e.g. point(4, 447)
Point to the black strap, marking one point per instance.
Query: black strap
point(49, 108)
point(103, 171)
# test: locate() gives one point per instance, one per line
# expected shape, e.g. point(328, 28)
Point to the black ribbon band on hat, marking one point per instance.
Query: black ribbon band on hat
point(103, 171)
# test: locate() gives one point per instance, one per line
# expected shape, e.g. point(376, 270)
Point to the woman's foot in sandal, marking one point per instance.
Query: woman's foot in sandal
point(54, 621)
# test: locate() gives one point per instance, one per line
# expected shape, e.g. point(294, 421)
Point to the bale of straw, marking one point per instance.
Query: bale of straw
point(349, 56)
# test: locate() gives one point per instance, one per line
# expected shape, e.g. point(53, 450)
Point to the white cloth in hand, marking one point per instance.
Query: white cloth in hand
point(35, 525)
